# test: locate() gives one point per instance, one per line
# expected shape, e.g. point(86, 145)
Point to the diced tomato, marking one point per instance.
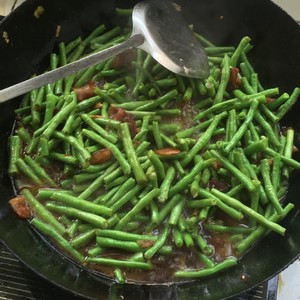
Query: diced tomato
point(121, 115)
point(86, 91)
point(100, 156)
point(20, 207)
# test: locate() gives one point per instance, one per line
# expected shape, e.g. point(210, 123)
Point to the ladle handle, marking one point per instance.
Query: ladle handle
point(61, 72)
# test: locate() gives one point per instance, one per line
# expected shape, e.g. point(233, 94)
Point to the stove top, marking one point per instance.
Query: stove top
point(17, 282)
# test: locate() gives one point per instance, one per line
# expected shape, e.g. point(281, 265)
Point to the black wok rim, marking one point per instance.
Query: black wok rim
point(63, 266)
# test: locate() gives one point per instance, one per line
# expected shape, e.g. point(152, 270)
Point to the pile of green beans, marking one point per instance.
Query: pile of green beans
point(207, 161)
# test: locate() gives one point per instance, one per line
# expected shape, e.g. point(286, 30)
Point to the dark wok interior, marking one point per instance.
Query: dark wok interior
point(276, 57)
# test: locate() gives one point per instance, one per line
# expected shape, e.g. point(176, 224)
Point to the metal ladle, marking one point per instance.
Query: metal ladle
point(158, 28)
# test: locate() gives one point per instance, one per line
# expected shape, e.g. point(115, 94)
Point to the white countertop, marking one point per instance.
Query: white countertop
point(289, 280)
point(292, 7)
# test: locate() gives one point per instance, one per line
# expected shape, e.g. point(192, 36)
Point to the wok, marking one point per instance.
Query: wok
point(276, 57)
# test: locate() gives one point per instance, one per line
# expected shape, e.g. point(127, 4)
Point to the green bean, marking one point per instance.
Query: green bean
point(188, 240)
point(124, 236)
point(23, 110)
point(24, 168)
point(97, 168)
point(137, 208)
point(265, 93)
point(122, 190)
point(103, 38)
point(106, 122)
point(119, 263)
point(15, 151)
point(201, 203)
point(288, 161)
point(227, 263)
point(157, 164)
point(96, 184)
point(39, 171)
point(83, 239)
point(149, 253)
point(112, 221)
point(95, 251)
point(267, 129)
point(259, 146)
point(157, 135)
point(81, 178)
point(160, 101)
point(210, 86)
point(87, 103)
point(124, 12)
point(269, 114)
point(203, 40)
point(275, 176)
point(115, 151)
point(188, 94)
point(202, 244)
point(176, 212)
point(168, 141)
point(285, 107)
point(62, 53)
point(60, 117)
point(217, 50)
point(42, 212)
point(166, 82)
point(231, 211)
point(72, 229)
point(82, 204)
point(250, 212)
point(288, 149)
point(272, 196)
point(113, 175)
point(127, 245)
point(131, 155)
point(98, 129)
point(131, 105)
point(195, 186)
point(217, 107)
point(152, 178)
point(278, 101)
point(45, 229)
point(240, 48)
point(203, 140)
point(74, 143)
point(240, 132)
point(68, 159)
point(93, 219)
point(261, 230)
point(235, 171)
point(224, 79)
point(228, 229)
point(166, 184)
point(46, 193)
point(231, 125)
point(203, 215)
point(178, 239)
point(188, 178)
point(23, 134)
point(117, 182)
point(119, 276)
point(148, 75)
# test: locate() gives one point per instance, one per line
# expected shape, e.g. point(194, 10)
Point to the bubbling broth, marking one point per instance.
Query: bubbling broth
point(145, 176)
